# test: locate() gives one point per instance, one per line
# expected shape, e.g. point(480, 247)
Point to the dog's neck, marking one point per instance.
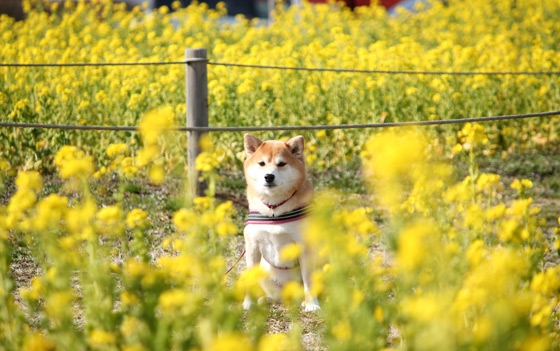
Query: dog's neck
point(275, 206)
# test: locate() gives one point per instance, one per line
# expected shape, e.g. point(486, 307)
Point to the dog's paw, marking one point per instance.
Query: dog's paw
point(247, 304)
point(310, 304)
point(311, 307)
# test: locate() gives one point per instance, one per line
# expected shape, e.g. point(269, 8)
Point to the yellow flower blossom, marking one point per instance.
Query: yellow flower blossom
point(206, 161)
point(50, 211)
point(56, 306)
point(547, 282)
point(128, 298)
point(35, 291)
point(156, 174)
point(72, 162)
point(318, 283)
point(154, 123)
point(232, 341)
point(101, 339)
point(29, 180)
point(226, 229)
point(424, 308)
point(172, 300)
point(412, 245)
point(292, 293)
point(135, 268)
point(79, 220)
point(476, 252)
point(29, 185)
point(520, 208)
point(38, 342)
point(108, 220)
point(202, 203)
point(205, 143)
point(275, 342)
point(291, 252)
point(130, 325)
point(185, 219)
point(342, 331)
point(117, 149)
point(248, 282)
point(137, 218)
point(378, 314)
point(389, 156)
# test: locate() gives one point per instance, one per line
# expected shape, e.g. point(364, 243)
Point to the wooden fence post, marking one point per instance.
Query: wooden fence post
point(197, 110)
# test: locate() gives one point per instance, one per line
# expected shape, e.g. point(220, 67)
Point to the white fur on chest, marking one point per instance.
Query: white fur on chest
point(270, 239)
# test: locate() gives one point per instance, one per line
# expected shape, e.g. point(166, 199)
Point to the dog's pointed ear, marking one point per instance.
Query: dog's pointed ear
point(296, 146)
point(251, 143)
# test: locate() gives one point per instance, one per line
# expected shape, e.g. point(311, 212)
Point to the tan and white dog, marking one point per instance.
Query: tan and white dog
point(279, 195)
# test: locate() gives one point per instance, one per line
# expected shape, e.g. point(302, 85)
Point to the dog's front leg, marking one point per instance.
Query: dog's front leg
point(308, 261)
point(253, 258)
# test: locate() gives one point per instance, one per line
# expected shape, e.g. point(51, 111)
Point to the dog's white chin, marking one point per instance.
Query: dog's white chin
point(272, 189)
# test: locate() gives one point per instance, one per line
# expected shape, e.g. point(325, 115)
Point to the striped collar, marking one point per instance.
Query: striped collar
point(258, 218)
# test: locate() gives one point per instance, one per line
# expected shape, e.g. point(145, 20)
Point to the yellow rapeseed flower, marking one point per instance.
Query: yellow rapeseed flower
point(29, 180)
point(101, 339)
point(56, 306)
point(36, 341)
point(232, 341)
point(248, 282)
point(185, 219)
point(291, 252)
point(390, 157)
point(135, 268)
point(35, 291)
point(50, 211)
point(203, 203)
point(413, 245)
point(342, 331)
point(128, 298)
point(292, 293)
point(137, 218)
point(275, 342)
point(109, 220)
point(72, 162)
point(154, 123)
point(117, 149)
point(156, 174)
point(226, 228)
point(172, 300)
point(79, 219)
point(206, 161)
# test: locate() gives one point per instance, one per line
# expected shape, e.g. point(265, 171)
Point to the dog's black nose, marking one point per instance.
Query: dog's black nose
point(269, 178)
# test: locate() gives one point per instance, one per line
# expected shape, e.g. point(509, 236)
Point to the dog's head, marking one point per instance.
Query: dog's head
point(274, 167)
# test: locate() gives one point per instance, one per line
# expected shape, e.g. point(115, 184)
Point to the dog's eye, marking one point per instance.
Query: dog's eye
point(261, 163)
point(281, 164)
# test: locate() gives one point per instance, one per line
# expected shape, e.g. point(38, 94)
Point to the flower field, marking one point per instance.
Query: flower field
point(431, 251)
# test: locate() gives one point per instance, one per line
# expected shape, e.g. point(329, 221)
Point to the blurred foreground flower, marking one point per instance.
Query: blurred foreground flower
point(153, 126)
point(389, 159)
point(72, 162)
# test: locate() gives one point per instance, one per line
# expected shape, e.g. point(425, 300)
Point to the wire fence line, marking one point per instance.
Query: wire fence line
point(277, 128)
point(386, 71)
point(288, 68)
point(287, 128)
point(196, 63)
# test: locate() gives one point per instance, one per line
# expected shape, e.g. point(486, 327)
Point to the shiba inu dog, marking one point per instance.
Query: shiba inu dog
point(279, 195)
